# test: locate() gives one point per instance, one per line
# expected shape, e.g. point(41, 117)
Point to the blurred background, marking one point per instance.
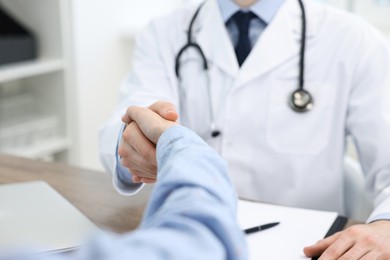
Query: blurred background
point(52, 106)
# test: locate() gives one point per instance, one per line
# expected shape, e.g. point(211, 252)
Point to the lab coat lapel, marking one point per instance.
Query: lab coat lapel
point(214, 39)
point(279, 42)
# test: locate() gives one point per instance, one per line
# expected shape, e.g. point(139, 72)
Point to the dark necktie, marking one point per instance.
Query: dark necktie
point(242, 20)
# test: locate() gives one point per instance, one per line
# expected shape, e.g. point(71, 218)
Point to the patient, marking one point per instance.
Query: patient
point(188, 215)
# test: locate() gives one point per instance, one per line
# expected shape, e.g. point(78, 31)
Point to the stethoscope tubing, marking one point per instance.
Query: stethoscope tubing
point(300, 100)
point(303, 47)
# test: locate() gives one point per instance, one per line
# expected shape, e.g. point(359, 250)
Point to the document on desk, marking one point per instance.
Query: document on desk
point(298, 228)
point(36, 217)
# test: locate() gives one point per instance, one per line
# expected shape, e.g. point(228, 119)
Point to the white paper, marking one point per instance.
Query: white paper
point(298, 228)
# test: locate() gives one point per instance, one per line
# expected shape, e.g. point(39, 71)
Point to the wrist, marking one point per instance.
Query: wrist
point(165, 128)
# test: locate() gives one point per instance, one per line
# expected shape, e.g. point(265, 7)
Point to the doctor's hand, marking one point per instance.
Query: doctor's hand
point(143, 128)
point(366, 242)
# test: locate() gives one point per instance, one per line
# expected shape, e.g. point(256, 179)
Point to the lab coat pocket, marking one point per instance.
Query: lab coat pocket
point(299, 132)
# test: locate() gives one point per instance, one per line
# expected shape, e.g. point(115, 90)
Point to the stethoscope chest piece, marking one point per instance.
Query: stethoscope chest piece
point(301, 101)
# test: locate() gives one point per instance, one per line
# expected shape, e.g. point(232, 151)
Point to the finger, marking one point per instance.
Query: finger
point(356, 252)
point(318, 248)
point(126, 118)
point(136, 179)
point(138, 170)
point(151, 124)
point(143, 177)
point(364, 245)
point(148, 180)
point(377, 255)
point(338, 247)
point(370, 255)
point(133, 161)
point(142, 145)
point(165, 109)
point(383, 250)
point(144, 174)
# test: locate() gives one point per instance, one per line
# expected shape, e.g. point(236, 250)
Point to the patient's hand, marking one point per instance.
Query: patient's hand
point(144, 127)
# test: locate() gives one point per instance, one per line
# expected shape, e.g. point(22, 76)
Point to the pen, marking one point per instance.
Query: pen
point(260, 228)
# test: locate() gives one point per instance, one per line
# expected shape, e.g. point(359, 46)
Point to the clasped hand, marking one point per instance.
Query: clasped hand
point(143, 129)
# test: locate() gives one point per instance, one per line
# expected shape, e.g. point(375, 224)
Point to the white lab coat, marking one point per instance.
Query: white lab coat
point(274, 154)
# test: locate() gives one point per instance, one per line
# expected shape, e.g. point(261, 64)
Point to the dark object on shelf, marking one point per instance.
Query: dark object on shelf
point(16, 42)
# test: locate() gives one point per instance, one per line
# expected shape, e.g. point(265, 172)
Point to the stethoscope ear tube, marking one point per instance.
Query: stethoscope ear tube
point(182, 50)
point(190, 44)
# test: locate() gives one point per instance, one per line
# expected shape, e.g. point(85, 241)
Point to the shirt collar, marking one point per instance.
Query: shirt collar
point(264, 9)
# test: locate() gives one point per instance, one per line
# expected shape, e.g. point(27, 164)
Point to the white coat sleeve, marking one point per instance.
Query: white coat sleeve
point(148, 82)
point(368, 119)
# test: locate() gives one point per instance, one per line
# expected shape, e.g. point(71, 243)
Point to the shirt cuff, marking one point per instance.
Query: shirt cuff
point(382, 216)
point(169, 137)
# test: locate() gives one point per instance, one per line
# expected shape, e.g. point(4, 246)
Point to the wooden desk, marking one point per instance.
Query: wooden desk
point(90, 191)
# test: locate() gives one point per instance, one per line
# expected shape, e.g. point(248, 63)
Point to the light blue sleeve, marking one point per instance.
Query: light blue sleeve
point(192, 210)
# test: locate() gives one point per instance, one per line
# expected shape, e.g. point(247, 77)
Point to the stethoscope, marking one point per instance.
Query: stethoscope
point(300, 100)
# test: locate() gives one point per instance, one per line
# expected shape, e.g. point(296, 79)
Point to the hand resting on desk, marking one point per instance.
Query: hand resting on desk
point(366, 242)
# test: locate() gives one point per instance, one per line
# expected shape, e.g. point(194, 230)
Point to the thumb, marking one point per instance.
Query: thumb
point(151, 124)
point(318, 248)
point(165, 109)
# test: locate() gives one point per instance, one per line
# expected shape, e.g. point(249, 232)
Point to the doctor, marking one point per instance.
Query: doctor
point(276, 97)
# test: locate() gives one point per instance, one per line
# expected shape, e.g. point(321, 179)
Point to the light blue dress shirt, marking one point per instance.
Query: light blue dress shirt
point(265, 10)
point(191, 213)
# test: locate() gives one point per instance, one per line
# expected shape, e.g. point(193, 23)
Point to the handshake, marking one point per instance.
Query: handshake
point(144, 126)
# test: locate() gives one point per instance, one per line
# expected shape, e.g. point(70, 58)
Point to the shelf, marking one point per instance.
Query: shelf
point(29, 69)
point(49, 147)
point(40, 129)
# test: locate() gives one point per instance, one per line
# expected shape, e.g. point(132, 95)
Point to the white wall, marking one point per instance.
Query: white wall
point(101, 60)
point(376, 12)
